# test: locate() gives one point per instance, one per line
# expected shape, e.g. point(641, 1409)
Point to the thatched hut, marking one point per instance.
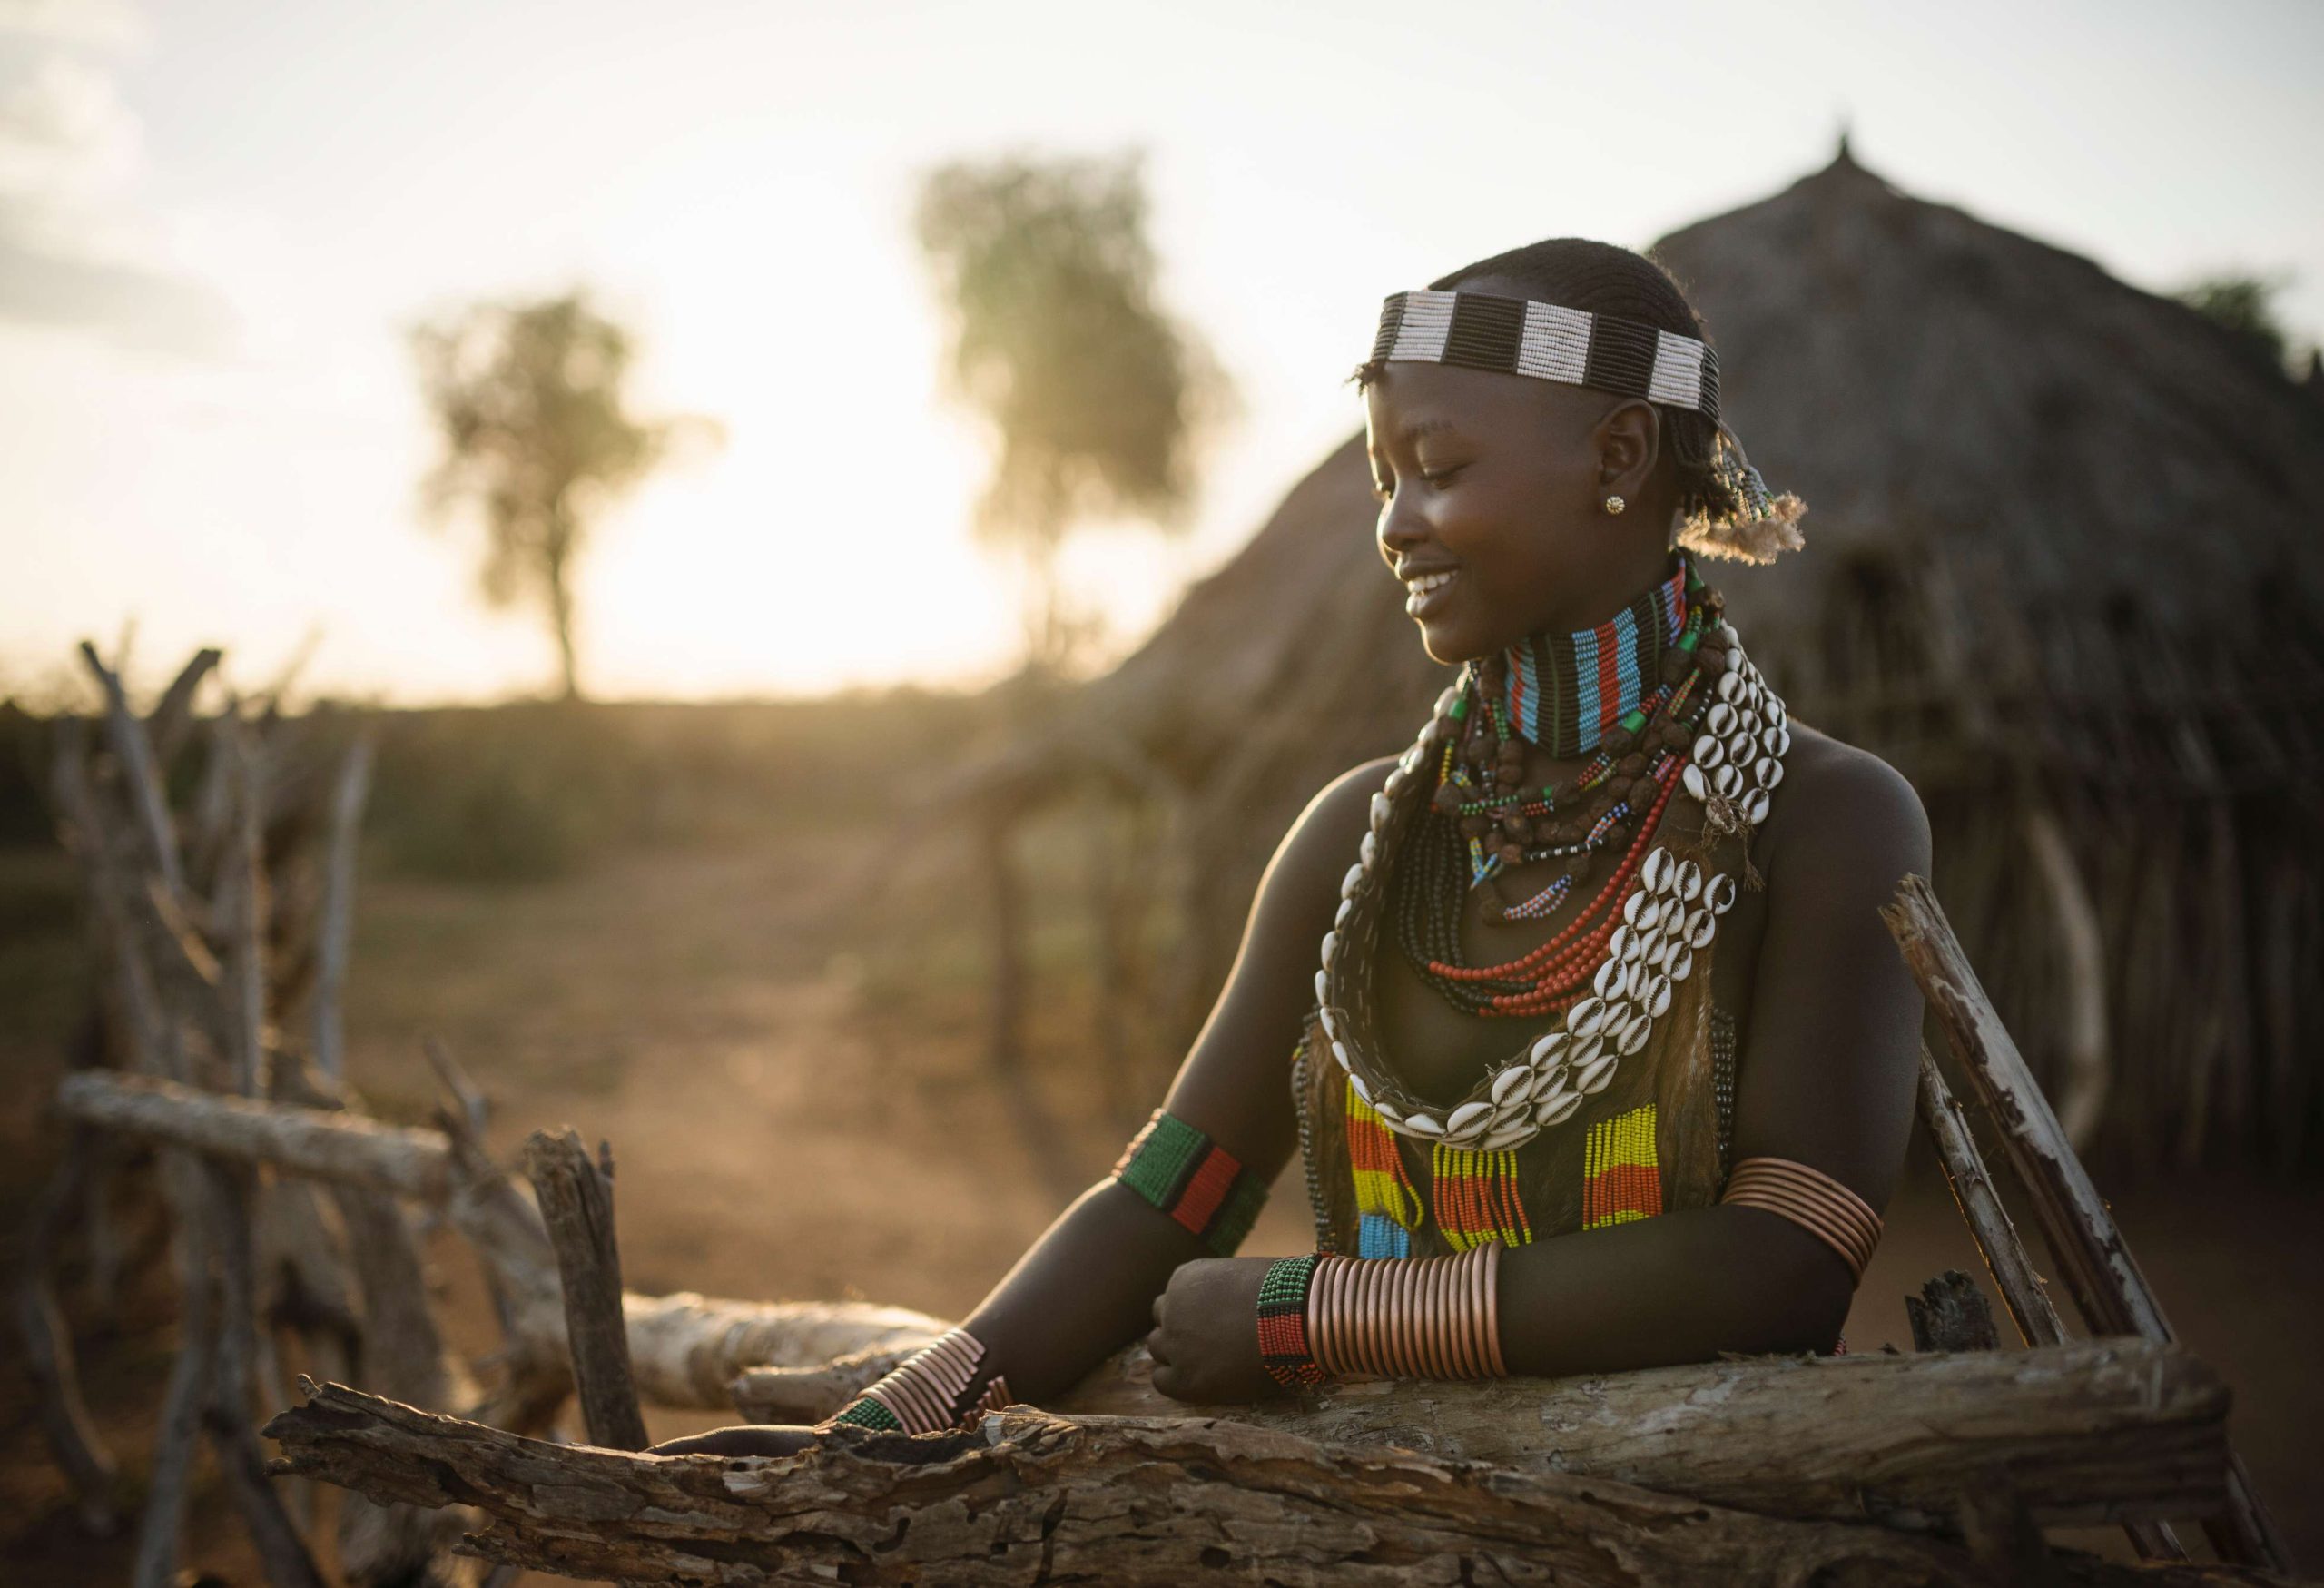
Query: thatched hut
point(2063, 570)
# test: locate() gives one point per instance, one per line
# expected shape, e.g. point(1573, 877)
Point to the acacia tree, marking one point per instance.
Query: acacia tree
point(537, 439)
point(1097, 399)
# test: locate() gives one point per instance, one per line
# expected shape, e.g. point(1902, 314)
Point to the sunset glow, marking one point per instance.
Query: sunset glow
point(219, 440)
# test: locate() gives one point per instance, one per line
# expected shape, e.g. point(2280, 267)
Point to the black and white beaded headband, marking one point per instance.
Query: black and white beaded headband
point(1518, 336)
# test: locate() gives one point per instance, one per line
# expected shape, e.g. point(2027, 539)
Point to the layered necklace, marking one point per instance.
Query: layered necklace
point(1665, 696)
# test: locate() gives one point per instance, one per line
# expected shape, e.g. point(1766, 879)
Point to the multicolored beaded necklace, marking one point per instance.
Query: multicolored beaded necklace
point(1482, 821)
point(1711, 727)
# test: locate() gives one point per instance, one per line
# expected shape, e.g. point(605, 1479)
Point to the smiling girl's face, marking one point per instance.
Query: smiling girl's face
point(1492, 493)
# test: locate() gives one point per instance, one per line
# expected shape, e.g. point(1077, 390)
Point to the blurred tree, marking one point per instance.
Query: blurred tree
point(537, 440)
point(2246, 305)
point(1095, 397)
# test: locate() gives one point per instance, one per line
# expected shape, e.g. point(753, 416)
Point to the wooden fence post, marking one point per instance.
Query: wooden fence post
point(576, 1200)
point(2095, 1262)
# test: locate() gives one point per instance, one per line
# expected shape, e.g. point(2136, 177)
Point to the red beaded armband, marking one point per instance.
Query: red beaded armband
point(1198, 1183)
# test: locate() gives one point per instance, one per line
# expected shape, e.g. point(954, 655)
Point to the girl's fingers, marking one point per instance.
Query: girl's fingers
point(759, 1439)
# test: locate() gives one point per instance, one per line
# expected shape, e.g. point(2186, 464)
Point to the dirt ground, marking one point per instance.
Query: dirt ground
point(786, 1126)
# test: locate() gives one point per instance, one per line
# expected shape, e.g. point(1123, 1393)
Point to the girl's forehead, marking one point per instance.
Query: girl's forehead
point(1406, 401)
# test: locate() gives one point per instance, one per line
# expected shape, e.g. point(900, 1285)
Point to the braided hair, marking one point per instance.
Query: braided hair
point(1724, 511)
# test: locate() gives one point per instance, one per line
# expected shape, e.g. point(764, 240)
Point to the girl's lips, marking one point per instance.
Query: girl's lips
point(1430, 592)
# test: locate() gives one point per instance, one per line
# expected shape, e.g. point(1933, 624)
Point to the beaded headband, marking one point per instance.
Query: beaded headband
point(1516, 336)
point(1548, 342)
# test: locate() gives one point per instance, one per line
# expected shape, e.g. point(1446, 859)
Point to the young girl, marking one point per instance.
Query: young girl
point(1579, 1012)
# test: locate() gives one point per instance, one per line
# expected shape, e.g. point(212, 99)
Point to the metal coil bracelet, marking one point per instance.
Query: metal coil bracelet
point(1812, 1199)
point(1382, 1317)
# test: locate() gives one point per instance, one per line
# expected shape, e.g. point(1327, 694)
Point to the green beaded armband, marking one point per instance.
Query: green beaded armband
point(1199, 1184)
point(1286, 1350)
point(864, 1412)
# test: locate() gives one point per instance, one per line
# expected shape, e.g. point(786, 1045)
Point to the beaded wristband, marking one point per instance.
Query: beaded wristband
point(1202, 1186)
point(934, 1388)
point(1812, 1199)
point(1284, 1350)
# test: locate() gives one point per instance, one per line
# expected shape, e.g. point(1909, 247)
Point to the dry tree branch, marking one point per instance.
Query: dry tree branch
point(1030, 1498)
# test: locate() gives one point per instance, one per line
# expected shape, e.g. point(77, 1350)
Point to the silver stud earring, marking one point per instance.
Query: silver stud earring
point(1614, 504)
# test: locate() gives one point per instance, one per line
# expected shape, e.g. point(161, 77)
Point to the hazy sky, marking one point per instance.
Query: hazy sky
point(218, 216)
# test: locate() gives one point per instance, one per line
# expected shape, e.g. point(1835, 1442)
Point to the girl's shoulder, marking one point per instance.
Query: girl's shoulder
point(1840, 803)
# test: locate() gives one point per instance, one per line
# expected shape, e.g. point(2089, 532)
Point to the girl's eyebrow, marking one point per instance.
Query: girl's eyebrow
point(1412, 434)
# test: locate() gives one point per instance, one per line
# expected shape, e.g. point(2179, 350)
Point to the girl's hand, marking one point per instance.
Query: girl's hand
point(752, 1439)
point(1206, 1339)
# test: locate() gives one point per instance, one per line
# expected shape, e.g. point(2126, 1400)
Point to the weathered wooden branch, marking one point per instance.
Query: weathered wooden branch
point(2098, 1269)
point(327, 1144)
point(226, 1414)
point(576, 1203)
point(171, 722)
point(684, 1349)
point(74, 1442)
point(131, 749)
point(2022, 1290)
point(688, 1350)
point(162, 1525)
point(2086, 1434)
point(335, 925)
point(2089, 1076)
point(808, 1394)
point(2089, 1434)
point(246, 892)
point(1706, 1430)
point(1030, 1498)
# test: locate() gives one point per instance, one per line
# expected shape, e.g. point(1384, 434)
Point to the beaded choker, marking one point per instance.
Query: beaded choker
point(1563, 691)
point(1609, 689)
point(1711, 729)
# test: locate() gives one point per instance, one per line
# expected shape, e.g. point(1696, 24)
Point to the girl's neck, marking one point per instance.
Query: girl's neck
point(1563, 690)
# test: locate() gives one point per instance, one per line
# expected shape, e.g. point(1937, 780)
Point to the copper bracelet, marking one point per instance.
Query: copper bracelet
point(1812, 1199)
point(1406, 1318)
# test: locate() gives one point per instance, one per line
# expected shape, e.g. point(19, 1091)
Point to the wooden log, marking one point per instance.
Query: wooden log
point(2102, 1275)
point(1950, 1314)
point(2088, 1433)
point(576, 1203)
point(331, 1146)
point(1727, 1416)
point(2022, 1290)
point(1032, 1498)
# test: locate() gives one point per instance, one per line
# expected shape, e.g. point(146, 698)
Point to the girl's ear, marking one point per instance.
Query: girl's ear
point(1629, 441)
